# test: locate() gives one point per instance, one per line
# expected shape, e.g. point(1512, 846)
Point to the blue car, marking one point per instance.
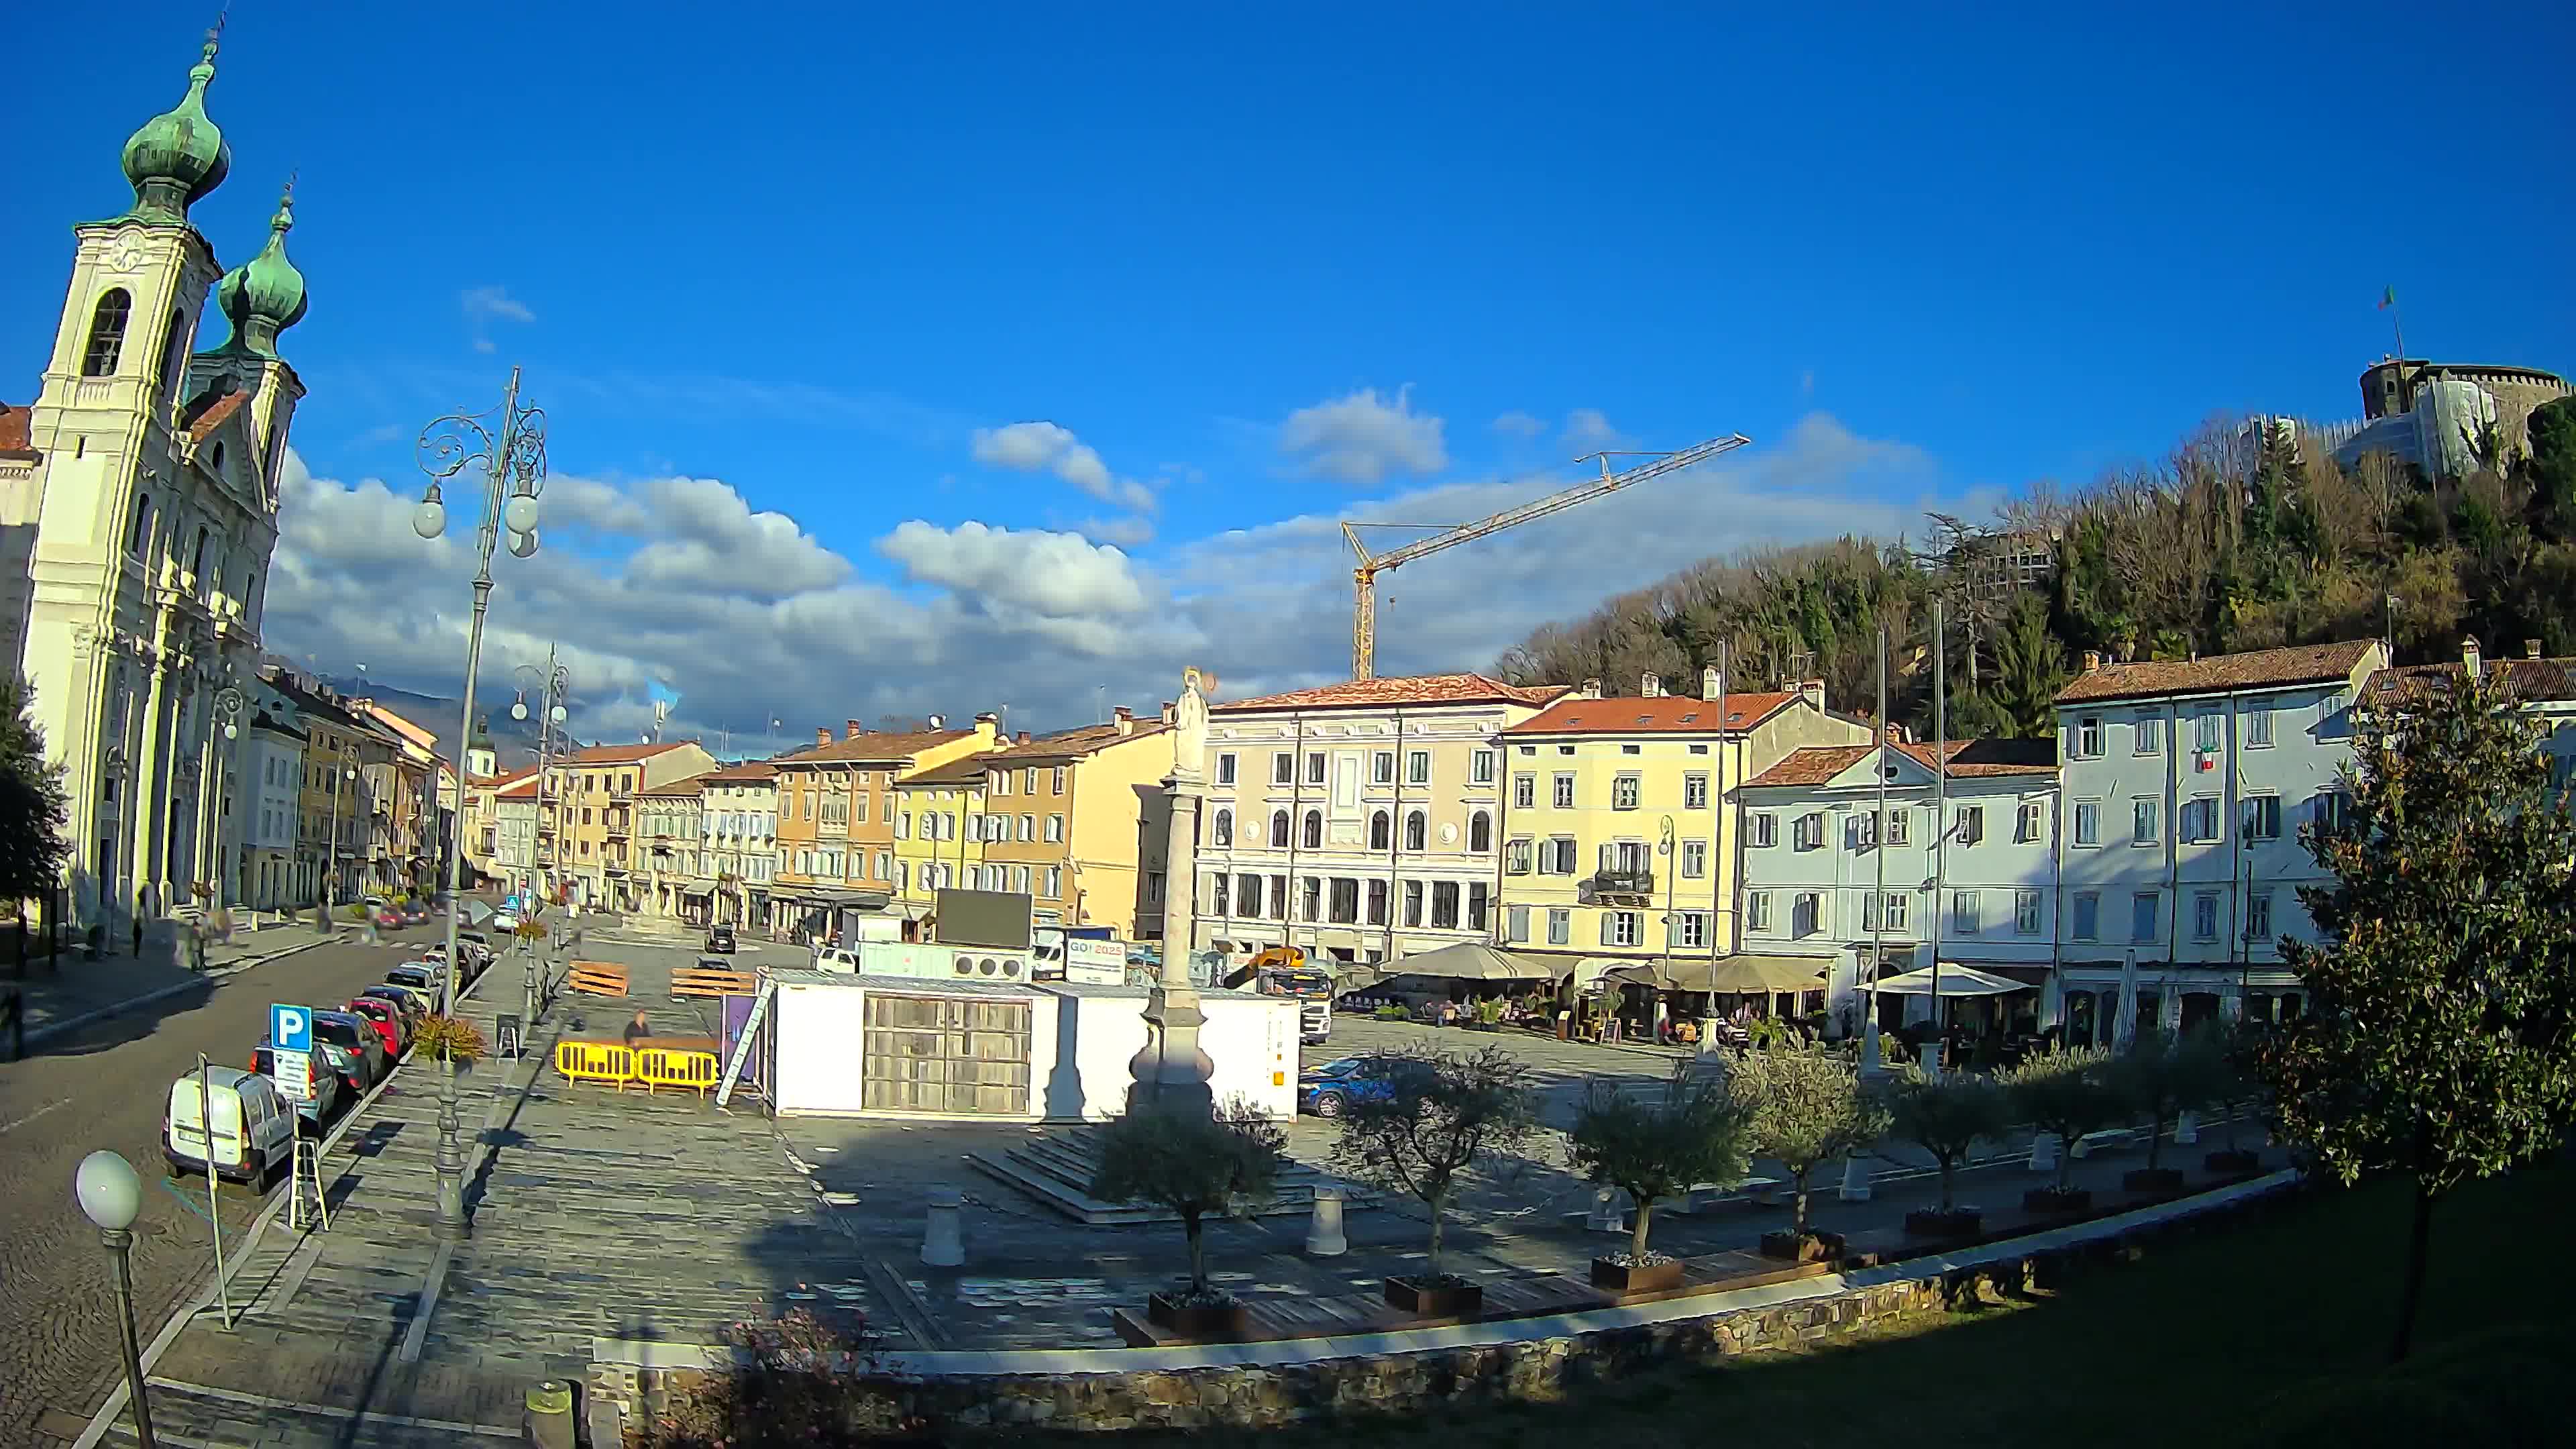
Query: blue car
point(1328, 1089)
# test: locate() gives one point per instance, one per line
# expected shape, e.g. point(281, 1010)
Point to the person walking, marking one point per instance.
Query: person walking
point(638, 1029)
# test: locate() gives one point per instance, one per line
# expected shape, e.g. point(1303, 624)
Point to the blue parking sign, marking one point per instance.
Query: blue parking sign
point(290, 1028)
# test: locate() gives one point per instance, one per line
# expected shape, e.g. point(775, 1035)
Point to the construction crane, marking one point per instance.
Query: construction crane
point(1364, 576)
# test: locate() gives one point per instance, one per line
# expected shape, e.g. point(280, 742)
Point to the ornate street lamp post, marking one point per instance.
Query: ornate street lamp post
point(550, 716)
point(509, 449)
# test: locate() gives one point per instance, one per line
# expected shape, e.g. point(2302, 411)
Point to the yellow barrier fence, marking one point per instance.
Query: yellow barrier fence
point(689, 1070)
point(596, 1061)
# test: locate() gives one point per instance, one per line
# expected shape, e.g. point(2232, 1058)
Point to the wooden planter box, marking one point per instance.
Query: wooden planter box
point(1435, 1300)
point(1195, 1320)
point(1814, 1247)
point(1613, 1277)
point(2151, 1179)
point(1933, 1223)
point(2232, 1164)
point(2050, 1200)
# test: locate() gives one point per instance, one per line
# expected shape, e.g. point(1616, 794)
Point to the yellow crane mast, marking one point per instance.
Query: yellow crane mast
point(1364, 576)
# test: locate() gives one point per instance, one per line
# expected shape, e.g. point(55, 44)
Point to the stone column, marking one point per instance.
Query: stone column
point(1171, 1071)
point(150, 749)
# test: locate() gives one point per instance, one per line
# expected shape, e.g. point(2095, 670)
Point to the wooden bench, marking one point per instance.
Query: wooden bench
point(596, 978)
point(708, 981)
point(2106, 1140)
point(1699, 1196)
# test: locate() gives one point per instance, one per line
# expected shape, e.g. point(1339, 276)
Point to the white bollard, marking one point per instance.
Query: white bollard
point(943, 1244)
point(2043, 1152)
point(1932, 1059)
point(2186, 1129)
point(1855, 1179)
point(1324, 1236)
point(1605, 1216)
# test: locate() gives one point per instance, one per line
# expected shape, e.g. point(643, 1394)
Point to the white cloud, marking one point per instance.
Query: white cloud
point(1124, 532)
point(1588, 430)
point(1059, 575)
point(749, 615)
point(486, 305)
point(1361, 438)
point(1519, 424)
point(1034, 446)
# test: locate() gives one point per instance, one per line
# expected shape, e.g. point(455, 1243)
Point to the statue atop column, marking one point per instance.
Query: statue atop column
point(1190, 728)
point(1171, 1072)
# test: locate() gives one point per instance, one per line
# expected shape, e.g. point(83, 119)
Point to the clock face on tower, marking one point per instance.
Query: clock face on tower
point(125, 254)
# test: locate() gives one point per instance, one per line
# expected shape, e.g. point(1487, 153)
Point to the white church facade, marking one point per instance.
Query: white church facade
point(138, 513)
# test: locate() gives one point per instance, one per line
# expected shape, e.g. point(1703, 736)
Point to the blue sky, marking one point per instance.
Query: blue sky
point(1916, 257)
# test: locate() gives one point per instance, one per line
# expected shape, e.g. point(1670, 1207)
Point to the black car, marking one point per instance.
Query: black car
point(720, 939)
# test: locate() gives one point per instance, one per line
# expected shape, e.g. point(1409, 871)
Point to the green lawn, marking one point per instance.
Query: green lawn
point(2272, 1333)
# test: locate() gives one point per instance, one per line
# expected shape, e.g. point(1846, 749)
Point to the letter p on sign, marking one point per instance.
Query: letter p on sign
point(290, 1028)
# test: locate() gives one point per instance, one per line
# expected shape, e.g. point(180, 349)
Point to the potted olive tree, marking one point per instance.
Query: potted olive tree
point(1652, 1148)
point(2065, 1093)
point(1441, 1119)
point(1946, 1116)
point(1193, 1166)
point(2158, 1080)
point(1808, 1110)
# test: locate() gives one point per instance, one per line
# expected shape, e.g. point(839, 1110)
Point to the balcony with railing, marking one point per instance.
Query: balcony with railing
point(1622, 882)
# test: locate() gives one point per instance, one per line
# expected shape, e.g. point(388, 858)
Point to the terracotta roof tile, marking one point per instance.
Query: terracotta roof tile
point(677, 789)
point(2262, 669)
point(966, 771)
point(747, 772)
point(1074, 744)
point(14, 424)
point(1384, 692)
point(874, 748)
point(1969, 759)
point(202, 425)
point(1664, 714)
point(2531, 678)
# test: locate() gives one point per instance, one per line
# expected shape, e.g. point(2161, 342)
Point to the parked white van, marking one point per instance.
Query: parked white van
point(254, 1136)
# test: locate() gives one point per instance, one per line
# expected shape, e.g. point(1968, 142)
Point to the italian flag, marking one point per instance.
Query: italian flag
point(2388, 299)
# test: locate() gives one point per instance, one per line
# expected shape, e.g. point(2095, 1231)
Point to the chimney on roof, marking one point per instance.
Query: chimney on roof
point(1022, 738)
point(2470, 663)
point(1712, 682)
point(2530, 648)
point(987, 725)
point(854, 729)
point(822, 734)
point(1168, 716)
point(2092, 661)
point(1814, 690)
point(1591, 690)
point(1652, 687)
point(1124, 718)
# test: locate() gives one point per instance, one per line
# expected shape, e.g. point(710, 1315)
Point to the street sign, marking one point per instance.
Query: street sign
point(290, 1050)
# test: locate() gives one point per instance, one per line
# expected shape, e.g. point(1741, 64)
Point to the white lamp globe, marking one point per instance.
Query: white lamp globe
point(429, 520)
point(109, 1192)
point(520, 513)
point(522, 544)
point(560, 715)
point(519, 709)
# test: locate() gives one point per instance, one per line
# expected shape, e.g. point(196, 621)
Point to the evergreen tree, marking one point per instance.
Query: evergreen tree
point(2440, 1040)
point(32, 801)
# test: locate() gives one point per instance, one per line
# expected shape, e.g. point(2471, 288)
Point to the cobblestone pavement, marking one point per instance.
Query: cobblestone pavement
point(601, 1214)
point(105, 1085)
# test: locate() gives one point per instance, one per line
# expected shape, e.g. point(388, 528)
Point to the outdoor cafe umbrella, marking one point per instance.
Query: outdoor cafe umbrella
point(1728, 976)
point(1470, 961)
point(1955, 981)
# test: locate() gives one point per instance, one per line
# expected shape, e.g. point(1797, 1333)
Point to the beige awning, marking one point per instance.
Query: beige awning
point(1469, 961)
point(1728, 975)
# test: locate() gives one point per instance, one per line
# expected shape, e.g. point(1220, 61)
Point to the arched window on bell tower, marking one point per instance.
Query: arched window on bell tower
point(106, 333)
point(174, 353)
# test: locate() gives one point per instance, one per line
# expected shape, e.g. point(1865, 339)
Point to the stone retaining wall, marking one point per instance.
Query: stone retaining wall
point(1253, 1395)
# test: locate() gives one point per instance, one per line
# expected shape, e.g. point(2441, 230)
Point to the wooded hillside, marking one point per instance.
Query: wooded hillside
point(2237, 541)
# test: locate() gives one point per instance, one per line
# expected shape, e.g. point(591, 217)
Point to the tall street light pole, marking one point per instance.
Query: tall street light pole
point(110, 1195)
point(550, 713)
point(509, 449)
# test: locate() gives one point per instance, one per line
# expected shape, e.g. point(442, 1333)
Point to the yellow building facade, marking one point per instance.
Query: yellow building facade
point(1620, 824)
point(937, 842)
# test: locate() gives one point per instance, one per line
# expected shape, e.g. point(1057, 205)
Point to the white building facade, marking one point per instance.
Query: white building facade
point(273, 765)
point(2185, 784)
point(1286, 852)
point(1825, 877)
point(149, 485)
point(738, 814)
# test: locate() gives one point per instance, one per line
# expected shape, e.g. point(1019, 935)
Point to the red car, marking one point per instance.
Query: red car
point(388, 1021)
